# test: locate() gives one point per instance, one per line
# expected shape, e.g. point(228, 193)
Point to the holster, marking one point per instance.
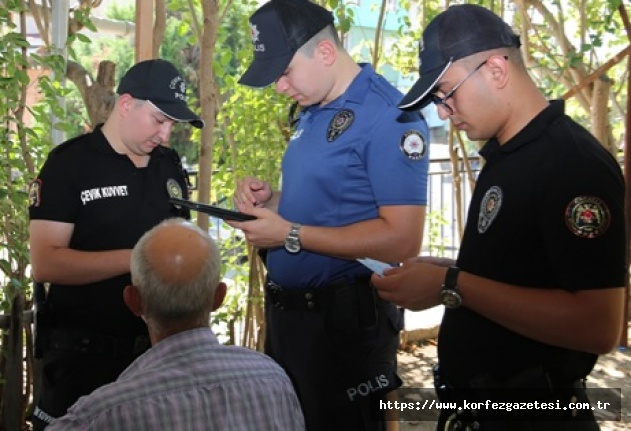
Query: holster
point(42, 318)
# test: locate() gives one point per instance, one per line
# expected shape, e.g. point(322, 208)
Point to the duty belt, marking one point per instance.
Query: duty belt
point(77, 341)
point(349, 303)
point(299, 299)
point(318, 298)
point(530, 384)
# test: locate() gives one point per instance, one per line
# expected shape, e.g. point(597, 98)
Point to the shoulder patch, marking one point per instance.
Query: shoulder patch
point(587, 216)
point(413, 145)
point(35, 193)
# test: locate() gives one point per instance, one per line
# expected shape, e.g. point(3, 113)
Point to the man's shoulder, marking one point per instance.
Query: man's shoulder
point(259, 361)
point(167, 155)
point(159, 377)
point(74, 146)
point(384, 90)
point(387, 97)
point(203, 350)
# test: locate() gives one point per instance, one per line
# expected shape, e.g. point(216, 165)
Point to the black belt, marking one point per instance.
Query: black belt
point(313, 299)
point(84, 342)
point(298, 299)
point(526, 385)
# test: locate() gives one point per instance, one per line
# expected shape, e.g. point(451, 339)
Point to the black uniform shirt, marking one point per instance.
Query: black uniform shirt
point(111, 203)
point(547, 212)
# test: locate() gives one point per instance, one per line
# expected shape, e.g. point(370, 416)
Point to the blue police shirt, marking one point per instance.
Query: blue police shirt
point(344, 161)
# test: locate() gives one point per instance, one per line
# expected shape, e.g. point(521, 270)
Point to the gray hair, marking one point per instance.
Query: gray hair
point(163, 300)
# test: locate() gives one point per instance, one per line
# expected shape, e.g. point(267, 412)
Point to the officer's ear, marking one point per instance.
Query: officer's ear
point(125, 103)
point(220, 294)
point(326, 51)
point(131, 296)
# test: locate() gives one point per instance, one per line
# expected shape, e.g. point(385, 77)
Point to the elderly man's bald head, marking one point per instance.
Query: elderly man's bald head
point(176, 268)
point(177, 253)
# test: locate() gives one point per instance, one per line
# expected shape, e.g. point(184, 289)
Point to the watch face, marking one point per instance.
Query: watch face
point(292, 242)
point(450, 298)
point(292, 246)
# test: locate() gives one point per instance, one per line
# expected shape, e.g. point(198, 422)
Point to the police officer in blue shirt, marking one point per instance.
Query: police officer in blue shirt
point(354, 185)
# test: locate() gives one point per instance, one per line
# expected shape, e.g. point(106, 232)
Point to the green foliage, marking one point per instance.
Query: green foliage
point(594, 41)
point(435, 239)
point(24, 144)
point(250, 141)
point(89, 52)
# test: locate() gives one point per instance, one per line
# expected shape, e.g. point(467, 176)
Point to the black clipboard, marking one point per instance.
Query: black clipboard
point(222, 213)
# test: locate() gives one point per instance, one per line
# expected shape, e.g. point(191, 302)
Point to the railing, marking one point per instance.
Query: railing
point(446, 206)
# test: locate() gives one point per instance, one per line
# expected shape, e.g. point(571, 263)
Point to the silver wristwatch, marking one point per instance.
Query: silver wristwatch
point(292, 242)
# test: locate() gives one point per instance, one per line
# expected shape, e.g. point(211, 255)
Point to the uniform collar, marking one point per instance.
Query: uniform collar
point(102, 144)
point(355, 93)
point(532, 131)
point(100, 141)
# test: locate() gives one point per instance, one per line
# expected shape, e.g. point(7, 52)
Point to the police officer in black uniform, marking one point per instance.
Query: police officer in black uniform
point(93, 199)
point(537, 290)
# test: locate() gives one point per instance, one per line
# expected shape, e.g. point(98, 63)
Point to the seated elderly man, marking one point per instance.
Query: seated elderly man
point(187, 380)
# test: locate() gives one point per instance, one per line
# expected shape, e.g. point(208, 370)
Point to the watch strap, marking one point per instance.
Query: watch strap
point(451, 278)
point(294, 231)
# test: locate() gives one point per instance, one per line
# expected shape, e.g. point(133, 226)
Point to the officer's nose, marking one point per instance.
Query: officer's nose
point(281, 85)
point(443, 112)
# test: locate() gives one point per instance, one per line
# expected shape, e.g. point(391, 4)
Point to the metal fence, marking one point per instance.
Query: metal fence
point(446, 188)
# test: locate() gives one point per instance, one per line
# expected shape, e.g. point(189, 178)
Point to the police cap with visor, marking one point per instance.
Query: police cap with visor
point(458, 32)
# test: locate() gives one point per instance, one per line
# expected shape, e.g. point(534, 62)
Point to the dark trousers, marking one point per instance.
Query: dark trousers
point(448, 421)
point(535, 386)
point(340, 372)
point(69, 371)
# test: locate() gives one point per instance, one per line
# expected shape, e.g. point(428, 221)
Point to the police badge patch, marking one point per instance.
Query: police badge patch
point(587, 216)
point(174, 190)
point(413, 145)
point(489, 208)
point(339, 124)
point(35, 193)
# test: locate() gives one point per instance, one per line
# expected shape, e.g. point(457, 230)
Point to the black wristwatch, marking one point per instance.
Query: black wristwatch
point(449, 295)
point(292, 242)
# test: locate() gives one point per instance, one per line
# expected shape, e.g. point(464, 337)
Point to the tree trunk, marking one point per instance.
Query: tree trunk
point(600, 112)
point(208, 102)
point(99, 97)
point(13, 404)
